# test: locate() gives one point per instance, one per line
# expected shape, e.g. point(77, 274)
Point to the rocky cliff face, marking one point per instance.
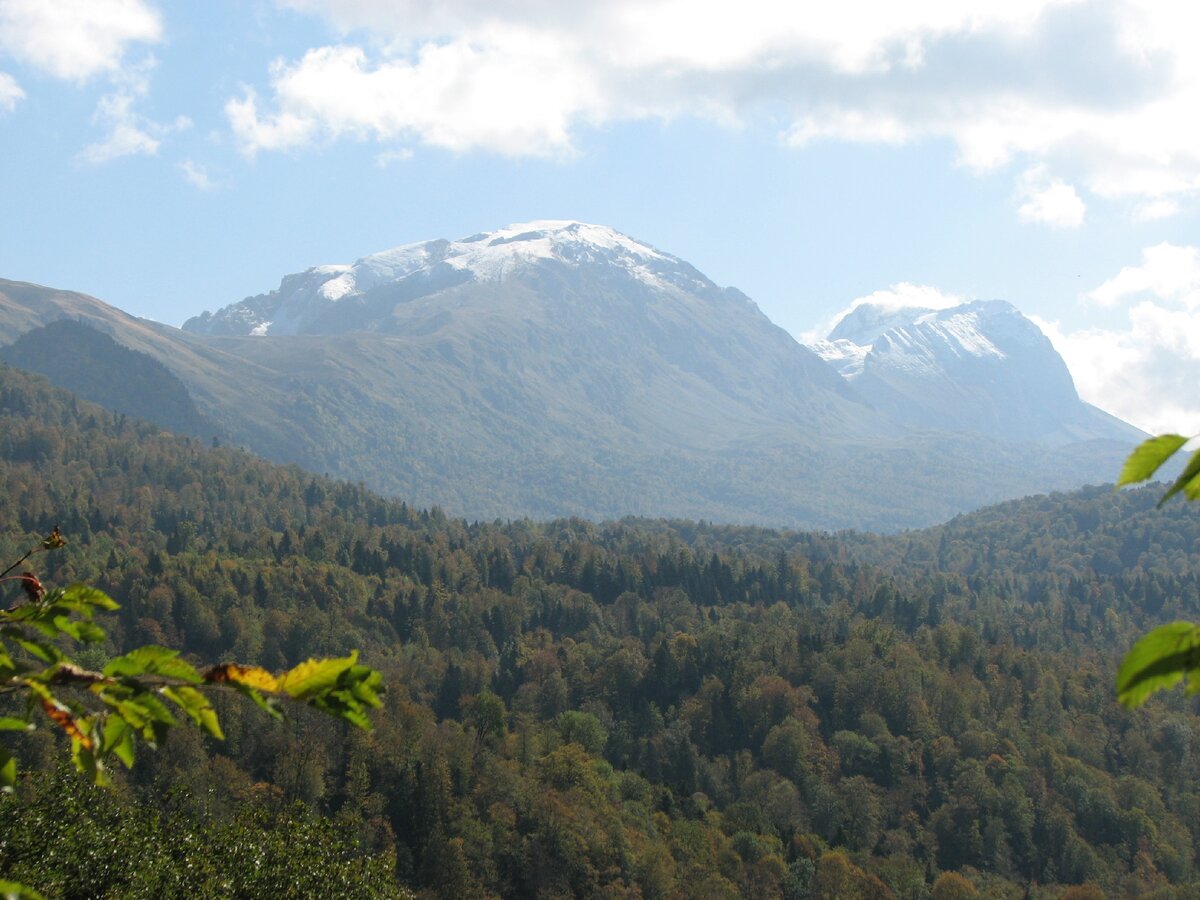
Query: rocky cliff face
point(980, 366)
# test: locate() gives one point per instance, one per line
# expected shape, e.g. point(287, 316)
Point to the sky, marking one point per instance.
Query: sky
point(170, 158)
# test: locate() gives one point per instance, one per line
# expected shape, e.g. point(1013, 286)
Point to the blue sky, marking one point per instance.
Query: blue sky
point(171, 158)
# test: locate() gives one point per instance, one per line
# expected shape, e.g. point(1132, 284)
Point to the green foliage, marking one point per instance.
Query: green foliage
point(103, 713)
point(1148, 457)
point(1160, 660)
point(1169, 654)
point(927, 701)
point(583, 729)
point(10, 890)
point(125, 696)
point(82, 842)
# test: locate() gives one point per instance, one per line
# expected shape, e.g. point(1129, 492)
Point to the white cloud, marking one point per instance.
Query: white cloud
point(1103, 94)
point(518, 99)
point(1145, 372)
point(1049, 201)
point(10, 92)
point(197, 175)
point(1168, 272)
point(1153, 210)
point(128, 132)
point(385, 159)
point(75, 39)
point(892, 299)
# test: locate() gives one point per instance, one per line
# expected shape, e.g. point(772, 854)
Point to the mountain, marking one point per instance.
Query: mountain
point(558, 368)
point(980, 366)
point(575, 324)
point(90, 364)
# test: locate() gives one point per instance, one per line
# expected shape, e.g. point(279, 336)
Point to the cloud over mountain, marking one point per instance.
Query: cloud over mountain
point(1094, 95)
point(1146, 371)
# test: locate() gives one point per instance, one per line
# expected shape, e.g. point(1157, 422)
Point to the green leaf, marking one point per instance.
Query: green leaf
point(1160, 660)
point(198, 708)
point(357, 688)
point(147, 714)
point(11, 890)
point(1188, 481)
point(118, 739)
point(8, 771)
point(267, 704)
point(314, 677)
point(47, 653)
point(88, 763)
point(9, 723)
point(85, 596)
point(152, 660)
point(82, 630)
point(1148, 456)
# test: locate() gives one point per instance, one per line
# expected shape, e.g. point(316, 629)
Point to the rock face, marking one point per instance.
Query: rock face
point(980, 366)
point(560, 368)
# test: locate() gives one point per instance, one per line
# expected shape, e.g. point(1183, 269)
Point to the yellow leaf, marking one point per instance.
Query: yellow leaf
point(250, 676)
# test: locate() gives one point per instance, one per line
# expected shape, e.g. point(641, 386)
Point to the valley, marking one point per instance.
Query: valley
point(644, 707)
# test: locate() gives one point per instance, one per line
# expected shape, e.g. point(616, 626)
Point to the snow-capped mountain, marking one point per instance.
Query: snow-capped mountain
point(980, 366)
point(559, 368)
point(362, 295)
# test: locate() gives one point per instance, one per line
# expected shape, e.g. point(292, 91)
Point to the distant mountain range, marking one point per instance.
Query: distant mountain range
point(559, 368)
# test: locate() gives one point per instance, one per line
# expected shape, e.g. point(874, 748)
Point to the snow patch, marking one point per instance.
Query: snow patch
point(337, 288)
point(845, 356)
point(489, 256)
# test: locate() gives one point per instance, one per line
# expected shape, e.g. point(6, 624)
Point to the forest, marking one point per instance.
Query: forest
point(634, 709)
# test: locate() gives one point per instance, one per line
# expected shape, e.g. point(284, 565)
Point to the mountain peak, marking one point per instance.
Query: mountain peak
point(490, 255)
point(305, 301)
point(980, 365)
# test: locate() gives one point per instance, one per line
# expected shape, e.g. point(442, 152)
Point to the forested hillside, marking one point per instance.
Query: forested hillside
point(636, 709)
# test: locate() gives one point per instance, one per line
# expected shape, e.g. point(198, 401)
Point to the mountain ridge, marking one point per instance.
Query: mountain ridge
point(981, 364)
point(574, 371)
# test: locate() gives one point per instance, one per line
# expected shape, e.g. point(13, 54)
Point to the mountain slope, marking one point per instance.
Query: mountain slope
point(979, 366)
point(91, 364)
point(558, 368)
point(572, 322)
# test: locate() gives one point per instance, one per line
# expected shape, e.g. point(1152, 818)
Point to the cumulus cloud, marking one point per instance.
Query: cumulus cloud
point(75, 39)
point(1049, 201)
point(892, 299)
point(1146, 371)
point(127, 131)
point(1168, 272)
point(1101, 94)
point(10, 92)
point(518, 99)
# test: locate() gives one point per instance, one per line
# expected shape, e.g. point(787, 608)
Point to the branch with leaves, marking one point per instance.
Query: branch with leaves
point(138, 695)
point(1169, 654)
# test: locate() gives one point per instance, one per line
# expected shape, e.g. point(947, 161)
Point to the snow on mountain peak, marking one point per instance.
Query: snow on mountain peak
point(491, 255)
point(917, 338)
point(307, 297)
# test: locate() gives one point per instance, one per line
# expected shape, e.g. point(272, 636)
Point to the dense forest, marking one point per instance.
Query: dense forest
point(634, 709)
